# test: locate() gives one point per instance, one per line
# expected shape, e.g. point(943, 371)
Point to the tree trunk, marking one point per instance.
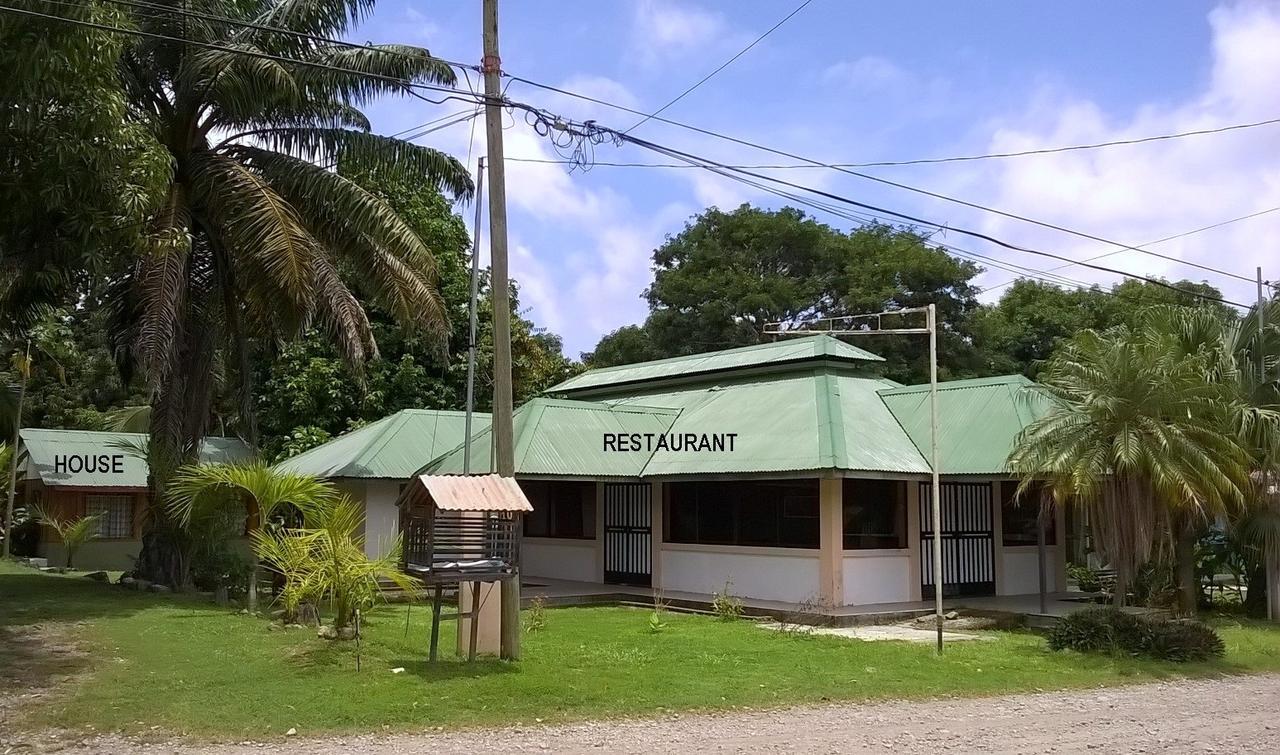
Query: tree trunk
point(1257, 592)
point(253, 587)
point(1185, 557)
point(13, 468)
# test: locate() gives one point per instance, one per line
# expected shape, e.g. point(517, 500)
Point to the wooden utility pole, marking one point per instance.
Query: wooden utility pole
point(503, 426)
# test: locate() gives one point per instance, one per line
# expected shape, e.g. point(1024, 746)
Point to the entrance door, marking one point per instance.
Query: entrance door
point(628, 534)
point(968, 540)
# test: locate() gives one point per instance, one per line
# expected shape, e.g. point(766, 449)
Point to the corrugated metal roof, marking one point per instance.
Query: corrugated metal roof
point(978, 420)
point(776, 353)
point(565, 438)
point(47, 455)
point(394, 447)
point(475, 493)
point(821, 419)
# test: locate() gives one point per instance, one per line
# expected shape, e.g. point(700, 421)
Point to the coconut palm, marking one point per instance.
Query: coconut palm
point(256, 236)
point(1143, 437)
point(271, 496)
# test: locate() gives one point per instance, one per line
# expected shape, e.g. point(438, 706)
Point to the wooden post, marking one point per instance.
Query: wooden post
point(435, 621)
point(475, 620)
point(503, 425)
point(831, 542)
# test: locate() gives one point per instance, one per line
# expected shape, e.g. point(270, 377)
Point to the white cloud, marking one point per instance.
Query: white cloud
point(665, 29)
point(1138, 193)
point(869, 72)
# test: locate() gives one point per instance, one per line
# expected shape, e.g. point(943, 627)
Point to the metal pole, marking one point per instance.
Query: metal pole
point(471, 339)
point(936, 488)
point(503, 425)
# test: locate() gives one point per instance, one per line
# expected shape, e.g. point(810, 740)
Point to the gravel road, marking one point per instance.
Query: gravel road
point(1236, 714)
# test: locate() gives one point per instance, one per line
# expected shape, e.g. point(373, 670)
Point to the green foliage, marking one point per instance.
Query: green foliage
point(1109, 630)
point(73, 533)
point(535, 616)
point(727, 274)
point(725, 605)
point(323, 561)
point(1142, 432)
point(1086, 579)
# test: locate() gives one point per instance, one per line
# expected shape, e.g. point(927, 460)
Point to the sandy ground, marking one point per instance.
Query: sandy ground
point(1239, 714)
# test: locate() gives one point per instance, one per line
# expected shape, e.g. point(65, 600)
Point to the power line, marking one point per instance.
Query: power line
point(1161, 241)
point(408, 85)
point(888, 182)
point(722, 66)
point(671, 152)
point(227, 20)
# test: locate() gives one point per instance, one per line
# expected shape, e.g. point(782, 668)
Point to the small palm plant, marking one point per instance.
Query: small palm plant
point(197, 487)
point(72, 532)
point(323, 562)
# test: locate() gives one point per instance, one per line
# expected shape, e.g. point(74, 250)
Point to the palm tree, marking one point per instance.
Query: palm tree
point(256, 236)
point(72, 532)
point(272, 496)
point(1144, 437)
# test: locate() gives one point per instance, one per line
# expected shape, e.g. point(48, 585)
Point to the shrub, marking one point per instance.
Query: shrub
point(725, 605)
point(1086, 579)
point(1110, 630)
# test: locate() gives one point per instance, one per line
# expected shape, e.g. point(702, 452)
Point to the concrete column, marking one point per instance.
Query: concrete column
point(599, 532)
point(489, 635)
point(1059, 551)
point(913, 537)
point(997, 535)
point(657, 527)
point(831, 541)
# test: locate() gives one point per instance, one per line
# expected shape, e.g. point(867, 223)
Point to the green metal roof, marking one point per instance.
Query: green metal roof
point(818, 419)
point(788, 351)
point(43, 449)
point(394, 447)
point(565, 439)
point(978, 420)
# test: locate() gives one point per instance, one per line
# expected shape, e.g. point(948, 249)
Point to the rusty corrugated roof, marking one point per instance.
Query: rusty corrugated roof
point(475, 493)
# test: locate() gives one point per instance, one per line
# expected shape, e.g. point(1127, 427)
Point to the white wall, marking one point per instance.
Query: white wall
point(1022, 571)
point(559, 558)
point(381, 517)
point(877, 577)
point(786, 574)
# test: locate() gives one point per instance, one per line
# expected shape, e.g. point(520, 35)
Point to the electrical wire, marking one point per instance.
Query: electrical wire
point(888, 182)
point(722, 66)
point(677, 154)
point(1192, 232)
point(409, 86)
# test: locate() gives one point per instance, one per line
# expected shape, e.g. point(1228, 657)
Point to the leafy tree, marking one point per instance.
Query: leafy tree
point(1032, 318)
point(1143, 435)
point(727, 274)
point(251, 232)
point(79, 176)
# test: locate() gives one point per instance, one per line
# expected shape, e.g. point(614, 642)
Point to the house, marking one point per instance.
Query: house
point(76, 473)
point(371, 464)
point(788, 471)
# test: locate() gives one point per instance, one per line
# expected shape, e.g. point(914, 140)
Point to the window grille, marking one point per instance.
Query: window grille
point(114, 512)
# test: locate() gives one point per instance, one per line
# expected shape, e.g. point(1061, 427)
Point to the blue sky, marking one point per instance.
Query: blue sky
point(847, 81)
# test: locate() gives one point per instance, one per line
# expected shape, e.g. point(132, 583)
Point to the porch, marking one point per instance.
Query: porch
point(561, 592)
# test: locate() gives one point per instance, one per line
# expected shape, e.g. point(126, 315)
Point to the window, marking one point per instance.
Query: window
point(114, 512)
point(875, 514)
point(769, 513)
point(560, 509)
point(1018, 517)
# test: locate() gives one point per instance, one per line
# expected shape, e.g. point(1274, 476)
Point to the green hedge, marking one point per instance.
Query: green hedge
point(1109, 630)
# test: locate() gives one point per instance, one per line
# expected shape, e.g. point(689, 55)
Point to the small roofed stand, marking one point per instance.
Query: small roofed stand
point(459, 529)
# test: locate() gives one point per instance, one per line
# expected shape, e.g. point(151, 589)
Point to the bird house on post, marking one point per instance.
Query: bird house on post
point(461, 531)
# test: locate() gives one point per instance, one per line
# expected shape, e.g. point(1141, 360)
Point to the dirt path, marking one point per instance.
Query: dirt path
point(1239, 714)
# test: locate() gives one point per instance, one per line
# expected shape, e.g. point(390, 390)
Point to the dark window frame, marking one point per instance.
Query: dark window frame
point(888, 497)
point(743, 514)
point(1024, 515)
point(555, 502)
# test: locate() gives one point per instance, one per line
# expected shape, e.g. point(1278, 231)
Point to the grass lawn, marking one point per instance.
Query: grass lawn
point(188, 667)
